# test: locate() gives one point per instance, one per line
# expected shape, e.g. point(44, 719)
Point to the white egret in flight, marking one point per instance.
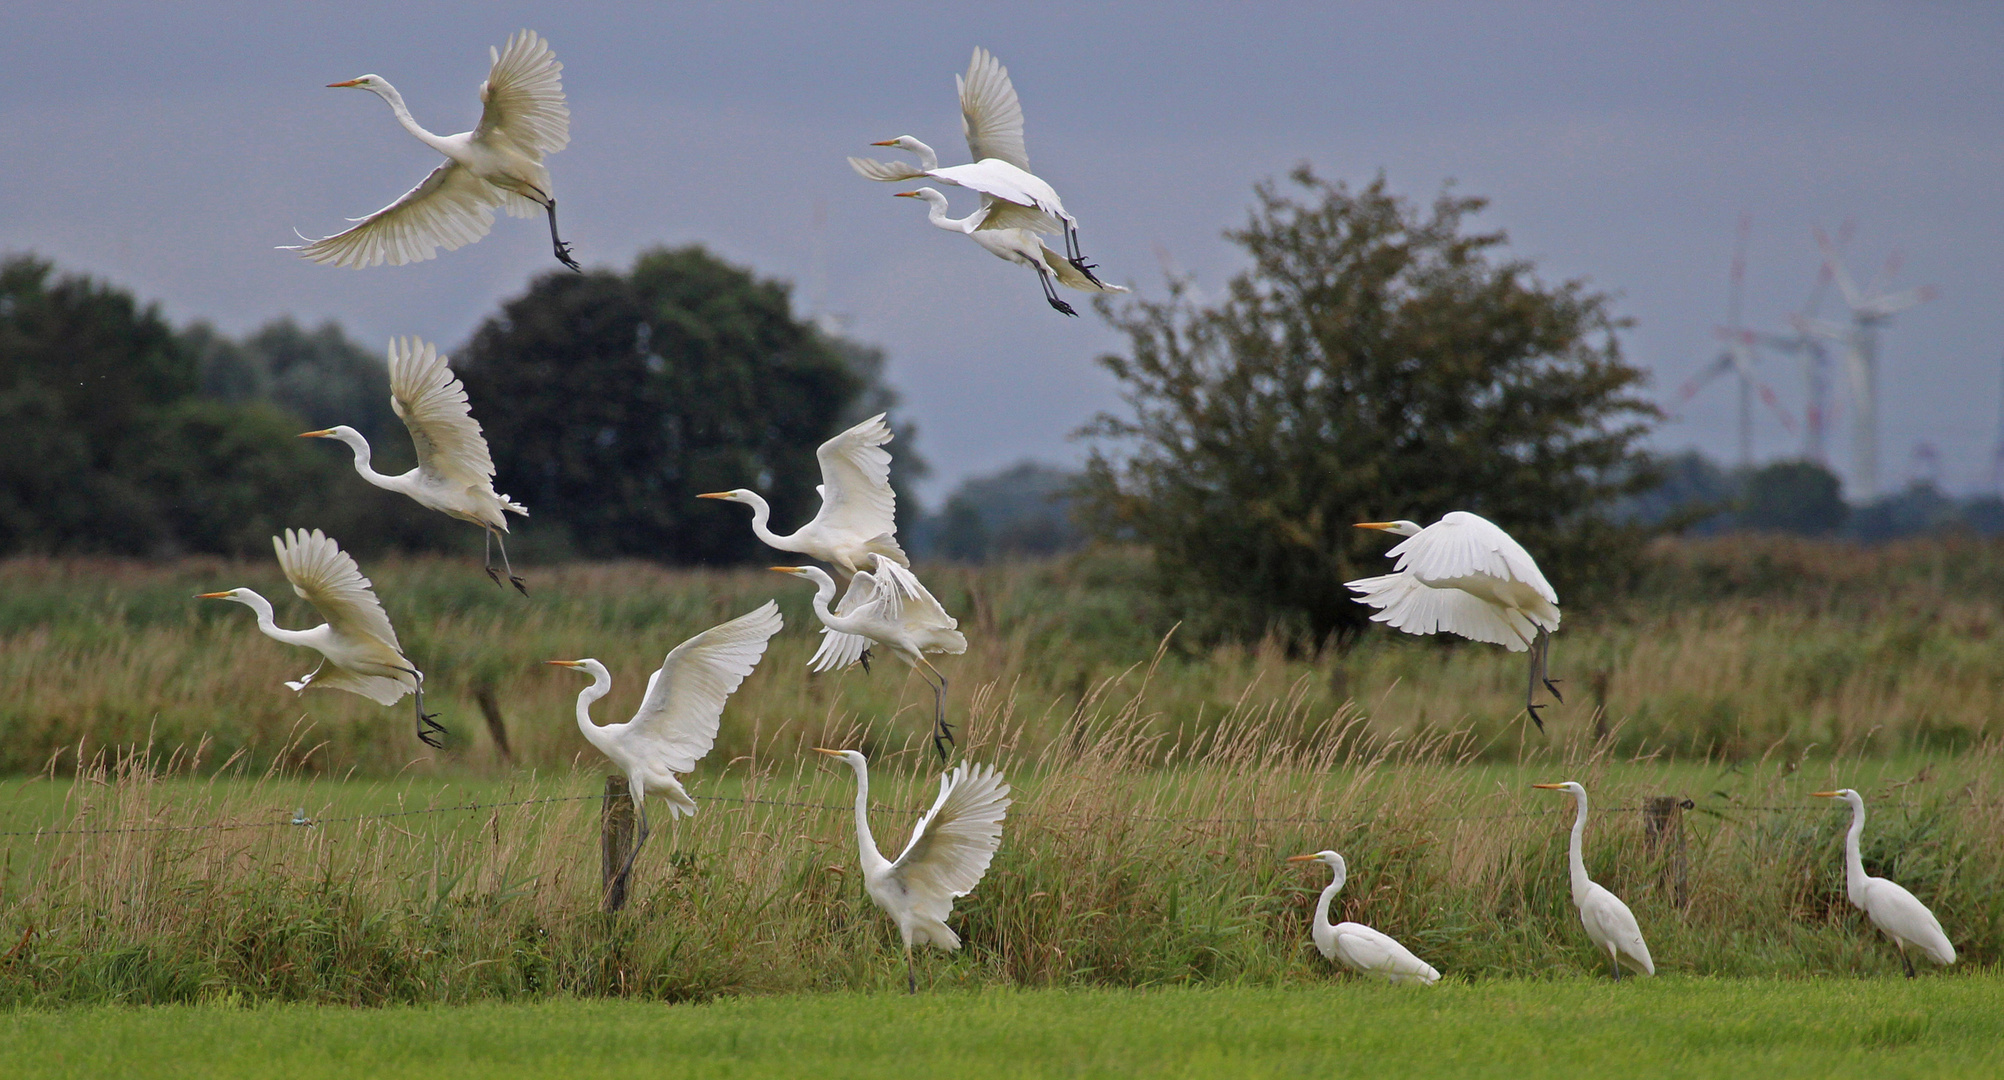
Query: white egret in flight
point(858, 516)
point(455, 473)
point(358, 647)
point(1607, 920)
point(948, 853)
point(1017, 245)
point(1464, 575)
point(676, 723)
point(992, 119)
point(1356, 946)
point(891, 608)
point(499, 163)
point(1894, 910)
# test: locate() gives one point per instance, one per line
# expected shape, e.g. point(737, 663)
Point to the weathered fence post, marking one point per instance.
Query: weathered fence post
point(1663, 830)
point(615, 840)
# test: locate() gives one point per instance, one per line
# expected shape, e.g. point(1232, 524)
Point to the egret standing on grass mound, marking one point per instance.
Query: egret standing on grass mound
point(358, 648)
point(1356, 946)
point(1464, 575)
point(889, 607)
point(1894, 910)
point(948, 853)
point(859, 510)
point(455, 473)
point(1019, 246)
point(1012, 196)
point(1607, 920)
point(676, 723)
point(499, 163)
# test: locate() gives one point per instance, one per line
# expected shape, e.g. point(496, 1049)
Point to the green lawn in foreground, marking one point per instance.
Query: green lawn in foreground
point(1770, 1029)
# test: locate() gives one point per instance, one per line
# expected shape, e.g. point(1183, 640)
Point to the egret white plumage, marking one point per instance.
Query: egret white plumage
point(1356, 946)
point(991, 117)
point(523, 118)
point(1607, 920)
point(1896, 912)
point(1464, 575)
point(944, 860)
point(858, 515)
point(455, 472)
point(676, 723)
point(357, 646)
point(1016, 245)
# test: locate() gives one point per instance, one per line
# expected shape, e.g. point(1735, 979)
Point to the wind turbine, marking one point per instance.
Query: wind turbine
point(1738, 355)
point(1813, 353)
point(1871, 309)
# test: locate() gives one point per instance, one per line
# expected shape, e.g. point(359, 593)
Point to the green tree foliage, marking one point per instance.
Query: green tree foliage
point(1374, 362)
point(1022, 511)
point(1794, 497)
point(611, 400)
point(320, 376)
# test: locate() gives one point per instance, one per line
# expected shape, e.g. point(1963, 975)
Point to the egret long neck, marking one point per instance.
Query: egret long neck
point(1854, 864)
point(360, 446)
point(601, 685)
point(1321, 929)
point(824, 591)
point(266, 623)
point(403, 115)
point(866, 844)
point(936, 213)
point(761, 517)
point(1580, 881)
point(928, 160)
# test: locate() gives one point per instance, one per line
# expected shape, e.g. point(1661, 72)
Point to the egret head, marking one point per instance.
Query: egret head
point(812, 573)
point(736, 495)
point(586, 666)
point(855, 760)
point(1396, 528)
point(902, 142)
point(1568, 786)
point(241, 596)
point(339, 431)
point(1846, 794)
point(930, 195)
point(375, 84)
point(1328, 858)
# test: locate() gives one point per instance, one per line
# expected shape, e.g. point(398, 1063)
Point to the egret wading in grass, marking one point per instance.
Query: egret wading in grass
point(455, 473)
point(1465, 576)
point(499, 163)
point(1894, 910)
point(676, 723)
point(859, 511)
point(890, 608)
point(1607, 920)
point(991, 117)
point(358, 647)
point(948, 853)
point(1356, 946)
point(1016, 245)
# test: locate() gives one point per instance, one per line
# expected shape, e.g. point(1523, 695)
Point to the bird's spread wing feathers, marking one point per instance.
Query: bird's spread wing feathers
point(992, 176)
point(889, 171)
point(377, 688)
point(1462, 544)
point(326, 577)
point(905, 598)
point(954, 842)
point(990, 115)
point(1003, 214)
point(1408, 604)
point(431, 402)
point(523, 97)
point(677, 719)
point(856, 481)
point(451, 208)
point(838, 651)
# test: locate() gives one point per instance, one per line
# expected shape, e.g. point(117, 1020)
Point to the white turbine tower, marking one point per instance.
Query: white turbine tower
point(1871, 309)
point(1738, 356)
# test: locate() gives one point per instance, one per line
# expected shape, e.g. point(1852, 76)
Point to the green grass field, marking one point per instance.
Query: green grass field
point(1681, 1027)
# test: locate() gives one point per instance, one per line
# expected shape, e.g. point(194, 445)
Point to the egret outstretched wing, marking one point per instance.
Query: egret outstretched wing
point(856, 481)
point(1408, 604)
point(1463, 545)
point(677, 720)
point(377, 688)
point(990, 115)
point(954, 842)
point(449, 209)
point(523, 97)
point(431, 402)
point(905, 598)
point(326, 577)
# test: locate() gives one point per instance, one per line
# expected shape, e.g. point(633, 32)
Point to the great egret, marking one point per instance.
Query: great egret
point(1464, 575)
point(1019, 246)
point(992, 119)
point(948, 853)
point(1895, 911)
point(1607, 920)
point(455, 473)
point(676, 723)
point(1356, 946)
point(891, 608)
point(858, 516)
point(499, 163)
point(358, 647)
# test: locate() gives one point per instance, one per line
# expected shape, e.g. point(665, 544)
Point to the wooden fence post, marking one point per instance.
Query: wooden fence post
point(1663, 830)
point(615, 840)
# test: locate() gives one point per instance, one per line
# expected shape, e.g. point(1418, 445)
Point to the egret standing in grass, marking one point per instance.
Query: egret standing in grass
point(1896, 912)
point(676, 723)
point(891, 608)
point(455, 473)
point(945, 859)
point(1356, 946)
point(1607, 920)
point(358, 647)
point(1464, 575)
point(523, 118)
point(859, 511)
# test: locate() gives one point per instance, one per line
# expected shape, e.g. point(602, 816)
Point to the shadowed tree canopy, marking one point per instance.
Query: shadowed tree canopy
point(611, 400)
point(1375, 362)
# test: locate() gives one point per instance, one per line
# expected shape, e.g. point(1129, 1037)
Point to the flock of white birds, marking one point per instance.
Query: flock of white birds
point(1461, 575)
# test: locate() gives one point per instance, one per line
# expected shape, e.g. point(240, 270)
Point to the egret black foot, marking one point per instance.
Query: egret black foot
point(1086, 268)
point(864, 659)
point(493, 575)
point(428, 725)
point(520, 587)
point(564, 256)
point(1551, 685)
point(1062, 306)
point(943, 738)
point(1535, 718)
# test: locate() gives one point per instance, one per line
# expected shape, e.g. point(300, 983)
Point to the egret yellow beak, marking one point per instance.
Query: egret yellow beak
point(906, 195)
point(714, 495)
point(1374, 525)
point(350, 82)
point(1823, 794)
point(886, 142)
point(785, 569)
point(565, 663)
point(212, 596)
point(1549, 787)
point(324, 433)
point(1301, 858)
point(825, 750)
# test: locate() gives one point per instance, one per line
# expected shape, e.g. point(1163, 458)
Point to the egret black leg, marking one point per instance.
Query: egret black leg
point(1908, 961)
point(1075, 254)
point(863, 658)
point(626, 871)
point(489, 560)
point(427, 723)
point(911, 980)
point(563, 249)
point(512, 579)
point(1531, 688)
point(1614, 961)
point(1051, 295)
point(1544, 659)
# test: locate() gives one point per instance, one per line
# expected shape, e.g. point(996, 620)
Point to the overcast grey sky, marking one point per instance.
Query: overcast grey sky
point(168, 148)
